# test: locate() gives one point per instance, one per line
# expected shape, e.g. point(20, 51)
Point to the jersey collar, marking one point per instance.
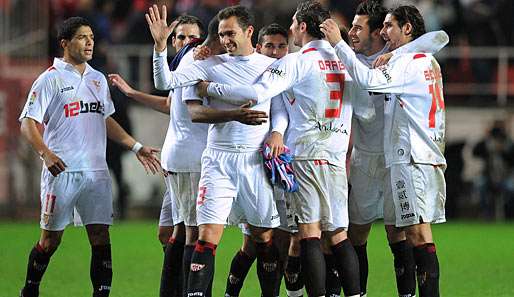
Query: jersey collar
point(60, 64)
point(315, 44)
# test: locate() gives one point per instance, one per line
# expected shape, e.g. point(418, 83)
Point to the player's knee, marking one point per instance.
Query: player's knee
point(359, 234)
point(164, 234)
point(98, 235)
point(294, 246)
point(418, 236)
point(394, 234)
point(49, 244)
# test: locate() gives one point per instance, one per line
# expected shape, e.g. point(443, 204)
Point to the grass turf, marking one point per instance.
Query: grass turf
point(476, 259)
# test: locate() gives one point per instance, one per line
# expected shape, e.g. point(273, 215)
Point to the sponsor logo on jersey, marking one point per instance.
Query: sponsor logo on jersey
point(65, 89)
point(33, 97)
point(195, 267)
point(75, 108)
point(330, 127)
point(385, 72)
point(276, 71)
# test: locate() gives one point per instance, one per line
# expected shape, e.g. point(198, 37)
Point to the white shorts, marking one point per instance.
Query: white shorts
point(184, 186)
point(169, 215)
point(89, 193)
point(322, 196)
point(418, 195)
point(368, 180)
point(235, 185)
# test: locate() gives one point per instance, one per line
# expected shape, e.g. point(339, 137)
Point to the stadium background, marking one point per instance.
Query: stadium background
point(477, 65)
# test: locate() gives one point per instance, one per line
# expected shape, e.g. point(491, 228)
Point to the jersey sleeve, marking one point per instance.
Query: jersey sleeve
point(165, 79)
point(189, 94)
point(280, 76)
point(279, 116)
point(430, 42)
point(379, 80)
point(108, 103)
point(39, 98)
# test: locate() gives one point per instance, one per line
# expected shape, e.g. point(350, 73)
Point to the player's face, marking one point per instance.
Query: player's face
point(392, 33)
point(295, 30)
point(184, 33)
point(359, 34)
point(80, 48)
point(274, 46)
point(233, 38)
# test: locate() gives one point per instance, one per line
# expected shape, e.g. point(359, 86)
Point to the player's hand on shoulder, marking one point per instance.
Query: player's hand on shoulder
point(147, 156)
point(249, 116)
point(201, 88)
point(53, 163)
point(382, 60)
point(331, 30)
point(276, 143)
point(158, 26)
point(117, 81)
point(201, 52)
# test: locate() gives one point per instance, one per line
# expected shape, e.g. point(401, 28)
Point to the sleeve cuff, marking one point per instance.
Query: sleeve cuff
point(164, 53)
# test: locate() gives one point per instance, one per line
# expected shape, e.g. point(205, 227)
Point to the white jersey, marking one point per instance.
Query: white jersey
point(319, 103)
point(228, 69)
point(368, 136)
point(414, 113)
point(185, 140)
point(73, 109)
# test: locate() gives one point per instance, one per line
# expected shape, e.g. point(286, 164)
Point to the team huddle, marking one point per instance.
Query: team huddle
point(371, 98)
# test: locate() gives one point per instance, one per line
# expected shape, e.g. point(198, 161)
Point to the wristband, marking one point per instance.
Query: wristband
point(136, 147)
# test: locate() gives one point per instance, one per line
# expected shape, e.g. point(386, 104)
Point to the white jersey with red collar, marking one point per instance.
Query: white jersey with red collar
point(73, 109)
point(414, 116)
point(185, 140)
point(227, 69)
point(319, 104)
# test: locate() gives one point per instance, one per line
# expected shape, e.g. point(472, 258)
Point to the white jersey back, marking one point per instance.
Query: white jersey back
point(185, 140)
point(414, 116)
point(73, 109)
point(232, 70)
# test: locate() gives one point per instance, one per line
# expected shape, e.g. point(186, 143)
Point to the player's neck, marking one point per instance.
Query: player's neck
point(307, 38)
point(376, 46)
point(80, 66)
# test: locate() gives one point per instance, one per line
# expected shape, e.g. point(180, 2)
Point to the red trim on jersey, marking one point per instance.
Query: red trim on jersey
point(417, 56)
point(51, 68)
point(320, 162)
point(291, 101)
point(309, 50)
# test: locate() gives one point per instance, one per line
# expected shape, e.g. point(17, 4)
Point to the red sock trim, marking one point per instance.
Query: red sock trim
point(201, 247)
point(311, 238)
point(428, 247)
point(171, 240)
point(39, 248)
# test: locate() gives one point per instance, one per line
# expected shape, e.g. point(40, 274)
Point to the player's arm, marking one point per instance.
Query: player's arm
point(30, 131)
point(201, 113)
point(279, 123)
point(431, 42)
point(145, 154)
point(377, 80)
point(280, 76)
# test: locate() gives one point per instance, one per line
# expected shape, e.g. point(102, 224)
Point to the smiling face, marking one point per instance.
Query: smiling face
point(184, 33)
point(274, 46)
point(79, 49)
point(395, 35)
point(233, 38)
point(360, 35)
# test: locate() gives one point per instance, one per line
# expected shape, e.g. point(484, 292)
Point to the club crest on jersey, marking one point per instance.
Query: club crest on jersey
point(276, 71)
point(33, 97)
point(97, 84)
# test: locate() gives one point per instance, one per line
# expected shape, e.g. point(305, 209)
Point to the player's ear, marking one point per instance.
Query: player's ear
point(407, 29)
point(249, 31)
point(173, 40)
point(258, 47)
point(63, 43)
point(303, 27)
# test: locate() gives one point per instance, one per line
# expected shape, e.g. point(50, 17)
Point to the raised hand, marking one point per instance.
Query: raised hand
point(147, 157)
point(53, 163)
point(159, 27)
point(331, 30)
point(248, 116)
point(117, 81)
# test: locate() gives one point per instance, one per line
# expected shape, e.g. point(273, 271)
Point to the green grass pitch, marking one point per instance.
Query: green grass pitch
point(476, 259)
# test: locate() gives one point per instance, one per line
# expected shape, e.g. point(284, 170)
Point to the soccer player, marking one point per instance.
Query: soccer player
point(233, 177)
point(320, 111)
point(180, 156)
point(414, 120)
point(368, 172)
point(72, 101)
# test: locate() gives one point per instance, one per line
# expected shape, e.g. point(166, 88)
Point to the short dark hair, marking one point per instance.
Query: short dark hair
point(70, 26)
point(409, 14)
point(271, 29)
point(190, 20)
point(212, 29)
point(375, 11)
point(244, 17)
point(313, 14)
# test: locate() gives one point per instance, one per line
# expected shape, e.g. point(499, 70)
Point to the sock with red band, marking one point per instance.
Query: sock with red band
point(38, 262)
point(201, 270)
point(172, 274)
point(427, 266)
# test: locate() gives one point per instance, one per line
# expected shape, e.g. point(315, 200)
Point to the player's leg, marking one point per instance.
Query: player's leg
point(312, 259)
point(293, 272)
point(191, 238)
point(39, 258)
point(425, 257)
point(240, 265)
point(332, 281)
point(281, 238)
point(358, 235)
point(101, 259)
point(165, 230)
point(267, 260)
point(172, 276)
point(346, 260)
point(404, 265)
